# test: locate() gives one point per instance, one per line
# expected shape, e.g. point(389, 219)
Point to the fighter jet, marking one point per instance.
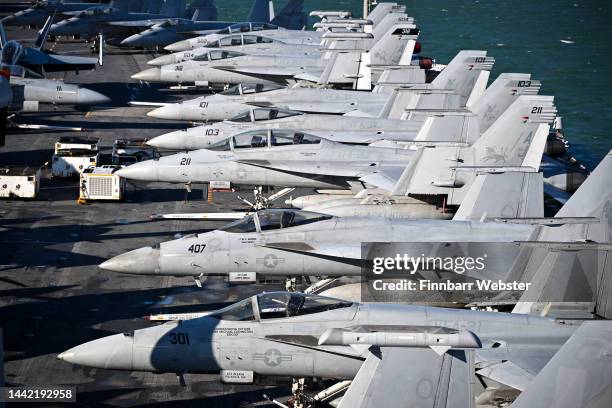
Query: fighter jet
point(277, 40)
point(41, 10)
point(262, 12)
point(304, 160)
point(36, 58)
point(373, 18)
point(297, 335)
point(247, 43)
point(229, 67)
point(270, 31)
point(452, 125)
point(29, 91)
point(116, 23)
point(462, 76)
point(269, 230)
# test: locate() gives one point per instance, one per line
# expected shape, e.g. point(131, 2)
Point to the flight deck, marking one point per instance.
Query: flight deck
point(53, 296)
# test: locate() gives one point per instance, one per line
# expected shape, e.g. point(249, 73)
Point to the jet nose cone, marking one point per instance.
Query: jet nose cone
point(89, 97)
point(143, 171)
point(162, 60)
point(142, 261)
point(170, 112)
point(173, 141)
point(131, 41)
point(178, 46)
point(151, 75)
point(112, 352)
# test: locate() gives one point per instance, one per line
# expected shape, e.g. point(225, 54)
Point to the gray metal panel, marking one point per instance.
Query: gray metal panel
point(409, 377)
point(579, 375)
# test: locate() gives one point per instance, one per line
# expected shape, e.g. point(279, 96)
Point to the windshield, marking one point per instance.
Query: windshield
point(221, 146)
point(243, 89)
point(285, 218)
point(241, 311)
point(256, 39)
point(244, 116)
point(270, 114)
point(273, 219)
point(246, 224)
point(253, 139)
point(203, 57)
point(291, 137)
point(263, 26)
point(284, 304)
point(230, 40)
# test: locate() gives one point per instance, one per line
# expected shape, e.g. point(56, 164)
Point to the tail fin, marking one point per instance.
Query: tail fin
point(507, 195)
point(462, 73)
point(508, 139)
point(388, 21)
point(578, 376)
point(291, 16)
point(379, 12)
point(516, 140)
point(260, 12)
point(44, 33)
point(500, 95)
point(389, 48)
point(572, 264)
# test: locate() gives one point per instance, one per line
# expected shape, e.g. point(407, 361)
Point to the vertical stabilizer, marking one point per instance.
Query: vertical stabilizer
point(462, 73)
point(570, 266)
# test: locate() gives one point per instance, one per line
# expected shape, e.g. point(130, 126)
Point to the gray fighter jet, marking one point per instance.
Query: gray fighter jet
point(229, 67)
point(161, 35)
point(255, 43)
point(269, 231)
point(461, 76)
point(278, 41)
point(373, 18)
point(289, 158)
point(388, 350)
point(29, 91)
point(298, 335)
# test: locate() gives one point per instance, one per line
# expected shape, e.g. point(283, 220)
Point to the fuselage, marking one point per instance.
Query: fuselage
point(220, 107)
point(256, 339)
point(310, 249)
point(345, 129)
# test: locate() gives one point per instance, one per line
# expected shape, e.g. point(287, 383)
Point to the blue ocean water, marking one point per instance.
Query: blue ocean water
point(523, 36)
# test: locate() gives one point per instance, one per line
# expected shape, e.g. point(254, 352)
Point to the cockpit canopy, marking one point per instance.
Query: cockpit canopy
point(215, 55)
point(239, 39)
point(274, 219)
point(97, 11)
point(245, 89)
point(265, 138)
point(247, 27)
point(274, 305)
point(259, 114)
